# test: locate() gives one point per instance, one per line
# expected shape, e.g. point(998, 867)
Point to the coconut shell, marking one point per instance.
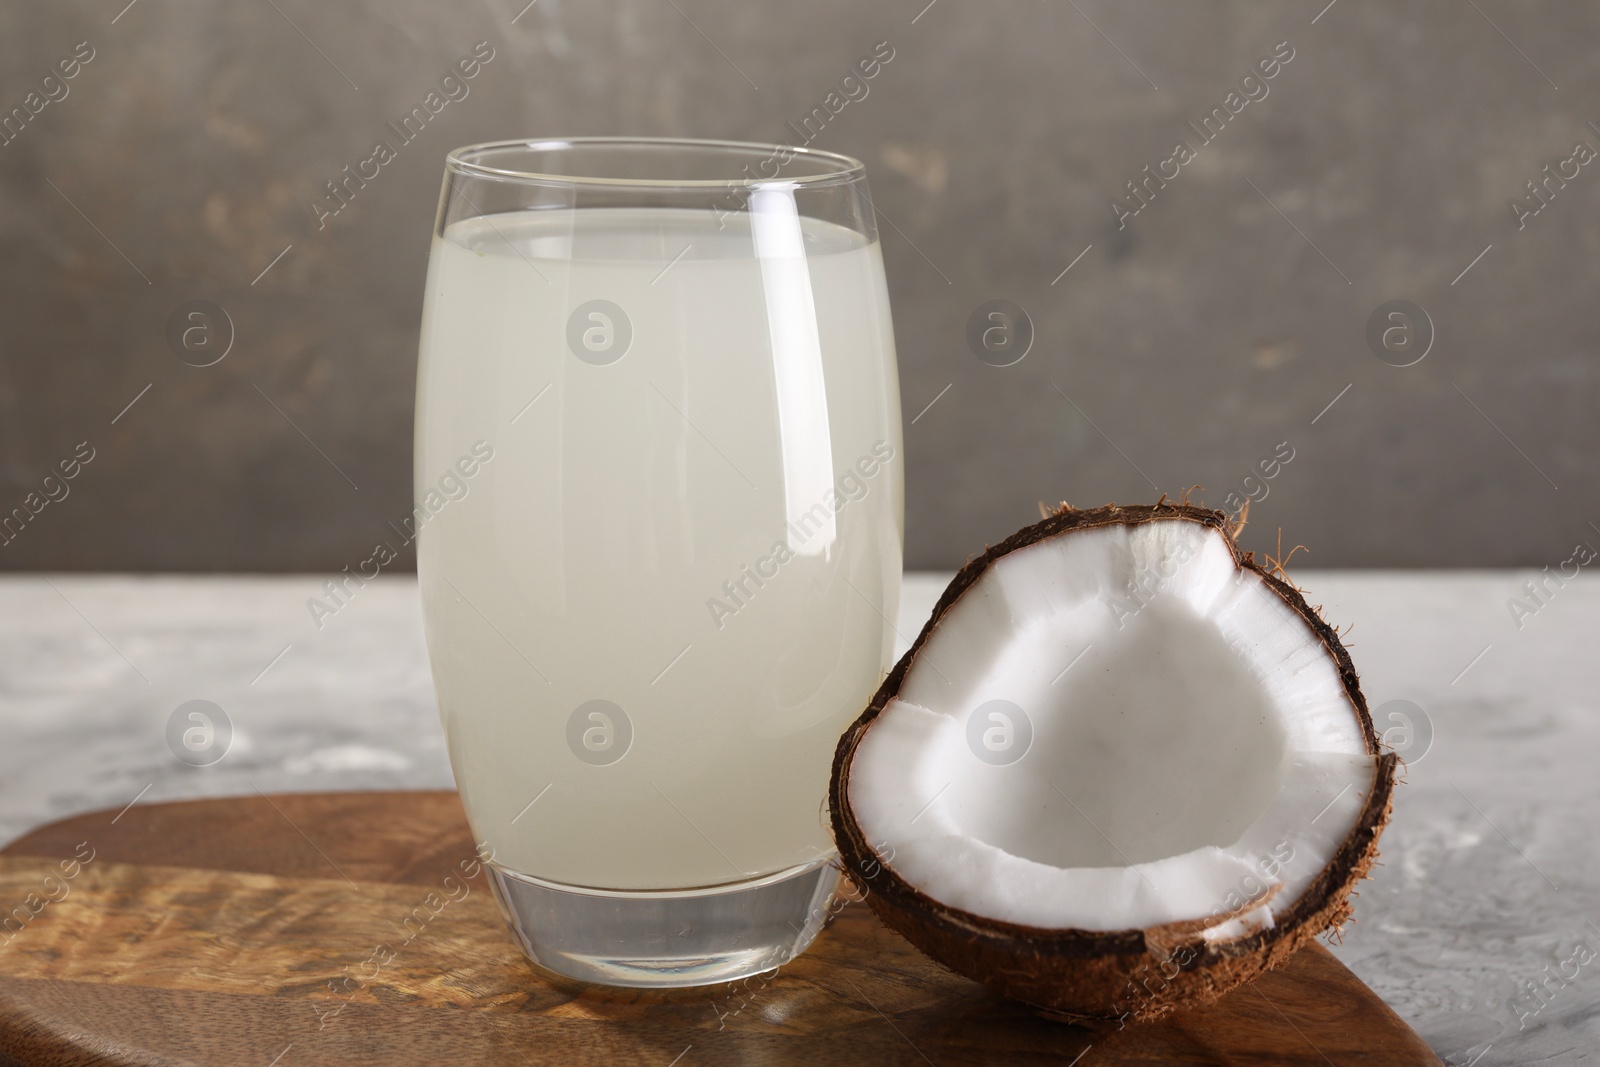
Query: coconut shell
point(1125, 975)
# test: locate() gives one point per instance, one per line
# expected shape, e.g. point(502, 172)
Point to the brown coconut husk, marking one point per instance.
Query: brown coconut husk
point(1126, 975)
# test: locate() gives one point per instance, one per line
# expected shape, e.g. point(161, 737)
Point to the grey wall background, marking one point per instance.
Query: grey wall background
point(1181, 349)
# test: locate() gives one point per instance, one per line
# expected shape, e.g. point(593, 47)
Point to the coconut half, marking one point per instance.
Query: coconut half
point(1123, 768)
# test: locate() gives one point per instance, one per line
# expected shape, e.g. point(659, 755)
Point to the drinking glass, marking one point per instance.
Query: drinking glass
point(660, 516)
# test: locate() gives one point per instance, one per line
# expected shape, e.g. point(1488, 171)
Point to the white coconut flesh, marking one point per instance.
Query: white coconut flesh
point(1193, 752)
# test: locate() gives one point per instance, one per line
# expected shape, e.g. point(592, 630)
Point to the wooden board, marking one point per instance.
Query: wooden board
point(311, 929)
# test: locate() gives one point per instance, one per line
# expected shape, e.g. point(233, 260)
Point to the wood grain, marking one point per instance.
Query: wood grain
point(332, 928)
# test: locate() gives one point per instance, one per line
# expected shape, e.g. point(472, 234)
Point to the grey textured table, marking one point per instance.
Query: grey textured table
point(1481, 928)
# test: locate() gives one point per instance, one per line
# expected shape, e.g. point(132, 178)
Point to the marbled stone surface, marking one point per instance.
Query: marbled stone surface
point(1490, 879)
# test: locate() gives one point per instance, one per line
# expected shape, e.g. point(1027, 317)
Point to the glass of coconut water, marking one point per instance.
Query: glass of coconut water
point(659, 501)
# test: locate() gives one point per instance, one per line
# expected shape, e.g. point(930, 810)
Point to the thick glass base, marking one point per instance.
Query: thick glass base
point(665, 938)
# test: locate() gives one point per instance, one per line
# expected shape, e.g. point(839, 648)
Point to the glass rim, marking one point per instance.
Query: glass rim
point(837, 169)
